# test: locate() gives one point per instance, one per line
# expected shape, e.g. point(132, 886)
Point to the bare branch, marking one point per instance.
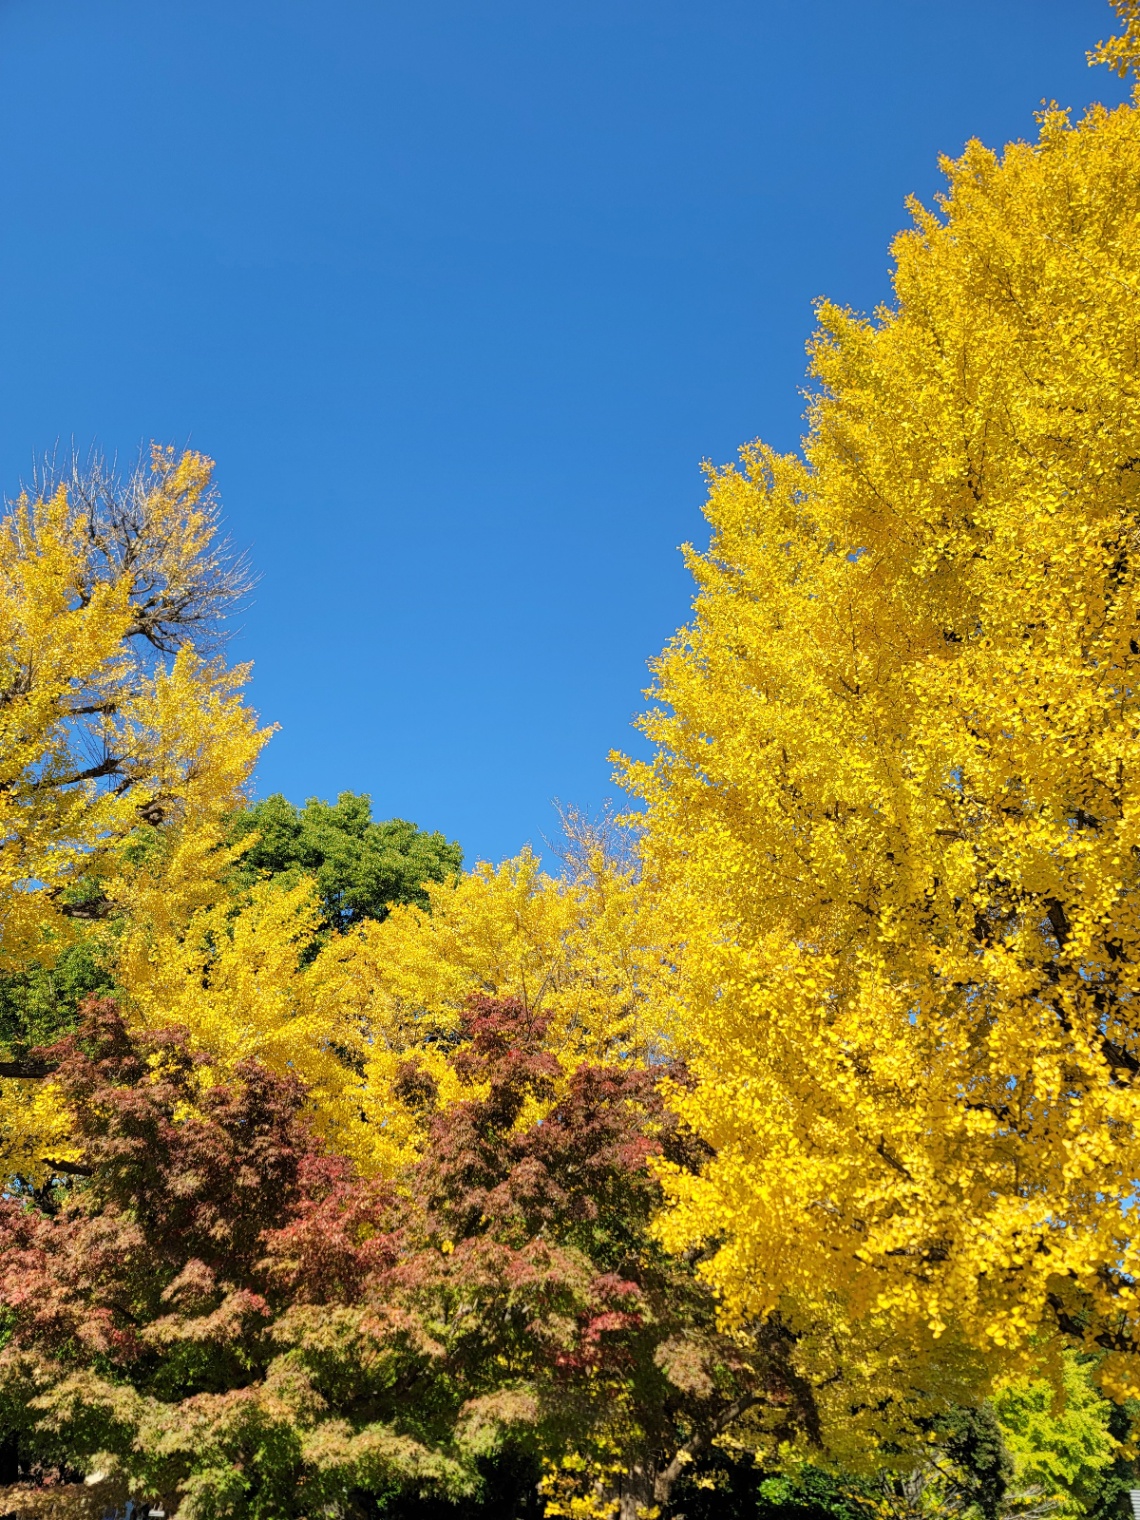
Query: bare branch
point(181, 594)
point(91, 911)
point(587, 838)
point(110, 766)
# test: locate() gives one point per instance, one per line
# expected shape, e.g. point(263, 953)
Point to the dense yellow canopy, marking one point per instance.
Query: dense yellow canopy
point(896, 793)
point(577, 951)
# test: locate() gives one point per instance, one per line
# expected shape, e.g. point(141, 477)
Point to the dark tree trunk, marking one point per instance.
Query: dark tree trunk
point(638, 1490)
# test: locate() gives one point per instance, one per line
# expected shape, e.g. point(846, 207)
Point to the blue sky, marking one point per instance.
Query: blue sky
point(459, 293)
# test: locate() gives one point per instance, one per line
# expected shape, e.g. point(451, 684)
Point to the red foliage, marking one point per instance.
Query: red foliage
point(170, 1233)
point(548, 1218)
point(292, 1336)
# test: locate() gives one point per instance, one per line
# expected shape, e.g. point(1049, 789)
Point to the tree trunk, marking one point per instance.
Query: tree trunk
point(637, 1490)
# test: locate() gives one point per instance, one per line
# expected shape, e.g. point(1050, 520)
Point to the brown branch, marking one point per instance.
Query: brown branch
point(1058, 920)
point(1118, 1058)
point(108, 767)
point(881, 1150)
point(663, 1482)
point(69, 1168)
point(32, 1067)
point(90, 911)
point(933, 1253)
point(20, 687)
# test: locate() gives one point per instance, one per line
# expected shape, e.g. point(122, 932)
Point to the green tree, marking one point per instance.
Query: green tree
point(1062, 1441)
point(40, 1003)
point(362, 868)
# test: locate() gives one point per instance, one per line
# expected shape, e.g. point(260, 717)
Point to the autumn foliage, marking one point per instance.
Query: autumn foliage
point(782, 1158)
point(225, 1319)
point(895, 796)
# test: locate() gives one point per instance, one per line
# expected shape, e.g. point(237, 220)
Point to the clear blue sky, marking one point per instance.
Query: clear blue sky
point(459, 293)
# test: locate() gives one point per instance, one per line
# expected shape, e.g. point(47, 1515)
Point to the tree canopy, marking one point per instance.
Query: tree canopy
point(784, 1165)
point(225, 1320)
point(895, 793)
point(362, 868)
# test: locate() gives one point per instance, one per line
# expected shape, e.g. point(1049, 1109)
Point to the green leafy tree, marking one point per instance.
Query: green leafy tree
point(1062, 1441)
point(362, 868)
point(40, 1003)
point(1036, 1452)
point(964, 1470)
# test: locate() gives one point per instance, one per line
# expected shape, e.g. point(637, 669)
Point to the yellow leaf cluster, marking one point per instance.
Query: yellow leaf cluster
point(896, 792)
point(112, 723)
point(582, 951)
point(586, 951)
point(94, 735)
point(386, 998)
point(1122, 53)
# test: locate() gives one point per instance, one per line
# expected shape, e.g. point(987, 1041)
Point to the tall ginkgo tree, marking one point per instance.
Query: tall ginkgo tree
point(123, 735)
point(896, 795)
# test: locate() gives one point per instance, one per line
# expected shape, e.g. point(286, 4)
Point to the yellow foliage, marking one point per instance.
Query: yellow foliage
point(896, 794)
point(1122, 53)
point(117, 735)
point(235, 978)
point(581, 950)
point(383, 1001)
point(33, 1128)
point(97, 737)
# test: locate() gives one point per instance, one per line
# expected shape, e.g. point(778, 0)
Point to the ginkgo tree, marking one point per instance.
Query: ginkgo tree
point(583, 951)
point(896, 793)
point(112, 714)
point(122, 734)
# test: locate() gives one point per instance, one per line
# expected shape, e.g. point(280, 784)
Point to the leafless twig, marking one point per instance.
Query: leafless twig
point(181, 594)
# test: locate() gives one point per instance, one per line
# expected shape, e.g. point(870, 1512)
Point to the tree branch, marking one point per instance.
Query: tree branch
point(108, 767)
point(32, 1067)
point(881, 1150)
point(69, 1168)
point(665, 1479)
